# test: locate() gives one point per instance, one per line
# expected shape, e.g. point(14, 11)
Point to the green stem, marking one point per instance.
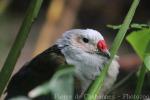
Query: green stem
point(140, 82)
point(19, 42)
point(141, 77)
point(96, 85)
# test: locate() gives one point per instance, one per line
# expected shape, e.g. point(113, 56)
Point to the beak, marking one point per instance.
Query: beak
point(106, 54)
point(102, 47)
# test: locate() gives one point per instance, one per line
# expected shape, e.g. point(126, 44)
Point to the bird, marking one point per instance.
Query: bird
point(86, 49)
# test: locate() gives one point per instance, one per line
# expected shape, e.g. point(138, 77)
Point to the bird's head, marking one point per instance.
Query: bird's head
point(86, 41)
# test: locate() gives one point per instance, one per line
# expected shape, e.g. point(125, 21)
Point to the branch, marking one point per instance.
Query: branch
point(96, 85)
point(17, 46)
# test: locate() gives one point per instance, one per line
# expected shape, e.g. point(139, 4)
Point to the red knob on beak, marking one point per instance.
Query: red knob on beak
point(102, 47)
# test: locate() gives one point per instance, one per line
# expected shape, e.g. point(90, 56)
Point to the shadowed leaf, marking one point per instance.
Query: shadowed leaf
point(147, 62)
point(60, 86)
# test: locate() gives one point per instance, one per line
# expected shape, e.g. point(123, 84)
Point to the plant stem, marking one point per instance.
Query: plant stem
point(140, 82)
point(96, 85)
point(19, 42)
point(141, 77)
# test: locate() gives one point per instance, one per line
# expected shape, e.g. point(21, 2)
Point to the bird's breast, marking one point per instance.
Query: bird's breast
point(87, 66)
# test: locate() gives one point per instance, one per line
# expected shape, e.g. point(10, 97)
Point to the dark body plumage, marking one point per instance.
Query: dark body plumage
point(36, 72)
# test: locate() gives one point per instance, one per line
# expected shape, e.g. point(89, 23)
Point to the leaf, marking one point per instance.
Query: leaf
point(114, 26)
point(147, 62)
point(139, 26)
point(20, 98)
point(133, 25)
point(60, 86)
point(139, 41)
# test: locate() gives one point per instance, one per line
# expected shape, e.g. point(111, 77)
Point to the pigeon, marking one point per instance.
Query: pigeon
point(86, 49)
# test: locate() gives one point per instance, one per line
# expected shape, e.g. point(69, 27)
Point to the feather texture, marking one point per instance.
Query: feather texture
point(36, 72)
point(69, 49)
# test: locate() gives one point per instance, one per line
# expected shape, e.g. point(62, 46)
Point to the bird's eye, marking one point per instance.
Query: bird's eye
point(85, 40)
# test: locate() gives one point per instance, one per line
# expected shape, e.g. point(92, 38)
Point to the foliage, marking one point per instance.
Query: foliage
point(60, 86)
point(15, 51)
point(20, 98)
point(140, 41)
point(95, 87)
point(147, 62)
point(132, 26)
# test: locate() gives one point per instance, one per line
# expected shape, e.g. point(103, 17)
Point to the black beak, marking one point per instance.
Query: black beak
point(106, 54)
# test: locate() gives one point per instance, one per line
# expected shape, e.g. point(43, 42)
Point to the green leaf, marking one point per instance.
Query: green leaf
point(142, 72)
point(114, 26)
point(147, 62)
point(133, 25)
point(139, 41)
point(60, 86)
point(139, 26)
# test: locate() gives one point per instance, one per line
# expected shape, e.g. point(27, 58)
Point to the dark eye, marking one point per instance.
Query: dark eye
point(85, 40)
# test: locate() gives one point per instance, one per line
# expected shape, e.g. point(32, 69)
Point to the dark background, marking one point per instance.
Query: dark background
point(94, 14)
